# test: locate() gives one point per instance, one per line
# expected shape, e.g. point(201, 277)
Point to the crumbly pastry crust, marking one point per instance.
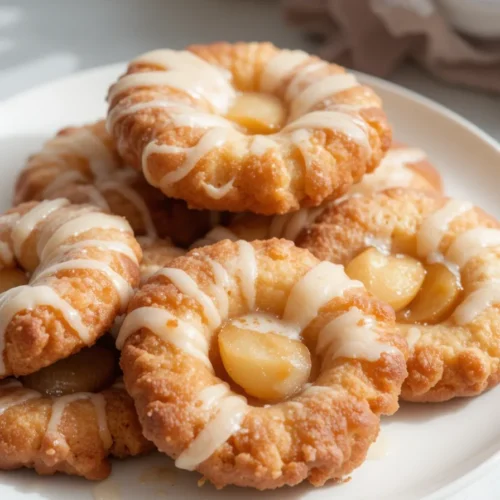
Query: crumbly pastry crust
point(83, 165)
point(459, 356)
point(83, 265)
point(320, 434)
point(166, 115)
point(403, 166)
point(157, 254)
point(89, 429)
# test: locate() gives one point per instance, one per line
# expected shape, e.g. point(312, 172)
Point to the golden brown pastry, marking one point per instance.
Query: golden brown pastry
point(66, 272)
point(82, 165)
point(69, 417)
point(402, 167)
point(258, 365)
point(157, 254)
point(436, 260)
point(246, 126)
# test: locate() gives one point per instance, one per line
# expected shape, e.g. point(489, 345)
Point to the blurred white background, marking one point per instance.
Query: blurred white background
point(41, 40)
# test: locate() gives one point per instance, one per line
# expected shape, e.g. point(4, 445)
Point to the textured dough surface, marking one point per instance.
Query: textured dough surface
point(317, 436)
point(84, 170)
point(448, 359)
point(39, 336)
point(274, 180)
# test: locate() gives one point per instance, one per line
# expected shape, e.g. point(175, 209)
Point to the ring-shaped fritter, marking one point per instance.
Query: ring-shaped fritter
point(173, 370)
point(453, 322)
point(66, 272)
point(171, 116)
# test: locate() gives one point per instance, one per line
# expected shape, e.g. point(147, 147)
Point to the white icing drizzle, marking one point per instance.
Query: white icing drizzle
point(315, 289)
point(412, 337)
point(185, 72)
point(22, 395)
point(301, 78)
point(111, 245)
point(230, 411)
point(94, 196)
point(59, 406)
point(215, 235)
point(17, 397)
point(465, 247)
point(197, 119)
point(352, 335)
point(247, 272)
point(52, 250)
point(434, 227)
point(26, 223)
point(213, 82)
point(48, 243)
point(181, 115)
point(83, 143)
point(118, 181)
point(28, 297)
point(353, 128)
point(135, 199)
point(221, 285)
point(392, 172)
point(6, 250)
point(279, 67)
point(213, 138)
point(320, 90)
point(381, 244)
point(218, 192)
point(168, 328)
point(123, 109)
point(267, 323)
point(290, 225)
point(261, 144)
point(301, 139)
point(121, 285)
point(62, 180)
point(189, 287)
point(477, 302)
point(471, 243)
point(6, 254)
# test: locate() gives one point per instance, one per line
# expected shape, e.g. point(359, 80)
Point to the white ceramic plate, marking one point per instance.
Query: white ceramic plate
point(423, 450)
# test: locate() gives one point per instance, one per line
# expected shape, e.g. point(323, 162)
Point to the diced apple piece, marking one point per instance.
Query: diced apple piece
point(268, 366)
point(90, 370)
point(437, 298)
point(393, 279)
point(257, 113)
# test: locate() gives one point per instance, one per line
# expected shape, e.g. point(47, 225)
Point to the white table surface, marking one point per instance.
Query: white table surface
point(41, 40)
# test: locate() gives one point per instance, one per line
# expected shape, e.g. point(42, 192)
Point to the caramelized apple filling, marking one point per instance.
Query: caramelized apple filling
point(419, 294)
point(90, 370)
point(437, 298)
point(269, 365)
point(393, 279)
point(257, 113)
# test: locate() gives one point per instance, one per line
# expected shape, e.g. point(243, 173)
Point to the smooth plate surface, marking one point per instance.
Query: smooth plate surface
point(423, 451)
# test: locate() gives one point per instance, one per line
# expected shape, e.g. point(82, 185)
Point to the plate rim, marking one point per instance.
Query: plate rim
point(487, 465)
